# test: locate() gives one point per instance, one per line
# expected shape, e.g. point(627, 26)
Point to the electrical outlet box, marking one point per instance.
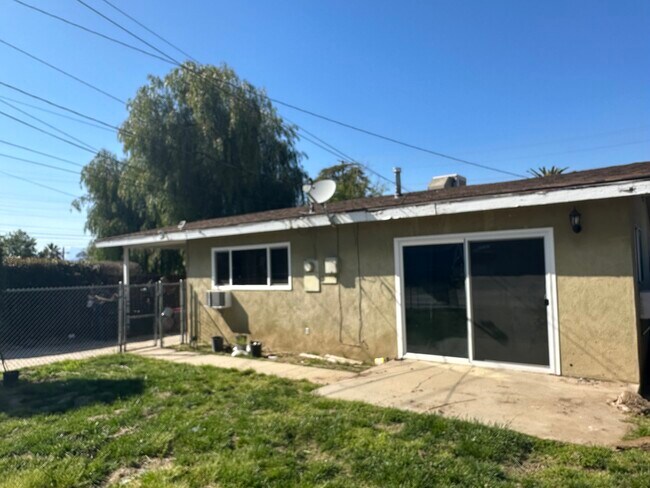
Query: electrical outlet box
point(311, 278)
point(331, 271)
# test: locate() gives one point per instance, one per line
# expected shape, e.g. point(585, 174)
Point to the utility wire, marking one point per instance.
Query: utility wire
point(9, 175)
point(24, 148)
point(29, 161)
point(91, 31)
point(58, 114)
point(170, 59)
point(174, 46)
point(46, 132)
point(69, 75)
point(33, 117)
point(117, 24)
point(61, 107)
point(335, 121)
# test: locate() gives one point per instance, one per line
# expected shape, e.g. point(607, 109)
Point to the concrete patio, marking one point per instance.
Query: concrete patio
point(550, 407)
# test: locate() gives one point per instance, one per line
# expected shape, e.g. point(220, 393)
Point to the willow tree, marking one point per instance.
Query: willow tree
point(203, 143)
point(198, 143)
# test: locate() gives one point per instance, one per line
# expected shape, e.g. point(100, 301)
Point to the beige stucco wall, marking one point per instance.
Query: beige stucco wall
point(357, 318)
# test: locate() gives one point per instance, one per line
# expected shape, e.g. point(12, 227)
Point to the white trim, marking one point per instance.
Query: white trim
point(494, 202)
point(465, 238)
point(268, 286)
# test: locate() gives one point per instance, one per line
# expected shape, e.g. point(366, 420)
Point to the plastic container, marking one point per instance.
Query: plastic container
point(256, 349)
point(10, 378)
point(217, 344)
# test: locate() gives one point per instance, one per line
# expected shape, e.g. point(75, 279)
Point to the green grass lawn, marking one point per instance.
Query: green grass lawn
point(121, 420)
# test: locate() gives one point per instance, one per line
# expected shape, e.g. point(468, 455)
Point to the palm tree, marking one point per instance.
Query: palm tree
point(543, 171)
point(51, 251)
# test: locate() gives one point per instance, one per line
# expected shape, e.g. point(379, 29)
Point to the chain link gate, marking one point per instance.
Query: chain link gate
point(43, 325)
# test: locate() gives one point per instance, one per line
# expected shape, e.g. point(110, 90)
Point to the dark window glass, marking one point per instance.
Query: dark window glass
point(509, 301)
point(279, 266)
point(434, 298)
point(222, 268)
point(249, 267)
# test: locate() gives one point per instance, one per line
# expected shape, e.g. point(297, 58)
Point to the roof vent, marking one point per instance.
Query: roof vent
point(447, 181)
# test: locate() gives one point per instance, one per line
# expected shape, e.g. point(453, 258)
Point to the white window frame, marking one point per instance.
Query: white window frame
point(268, 286)
point(546, 233)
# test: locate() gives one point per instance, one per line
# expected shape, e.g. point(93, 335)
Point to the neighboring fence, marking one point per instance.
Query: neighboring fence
point(43, 325)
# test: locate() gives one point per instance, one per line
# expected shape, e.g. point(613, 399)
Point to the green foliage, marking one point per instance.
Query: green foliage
point(351, 181)
point(37, 272)
point(51, 251)
point(120, 420)
point(198, 146)
point(543, 171)
point(18, 244)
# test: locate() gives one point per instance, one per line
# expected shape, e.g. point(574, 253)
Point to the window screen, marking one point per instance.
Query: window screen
point(279, 266)
point(249, 267)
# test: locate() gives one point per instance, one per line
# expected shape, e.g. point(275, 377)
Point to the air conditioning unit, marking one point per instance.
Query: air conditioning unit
point(218, 299)
point(447, 181)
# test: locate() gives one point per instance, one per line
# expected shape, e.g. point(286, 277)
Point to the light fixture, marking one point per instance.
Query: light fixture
point(574, 219)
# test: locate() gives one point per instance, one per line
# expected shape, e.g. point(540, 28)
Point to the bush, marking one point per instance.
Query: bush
point(38, 273)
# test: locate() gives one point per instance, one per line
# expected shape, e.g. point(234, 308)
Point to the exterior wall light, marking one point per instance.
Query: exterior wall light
point(574, 218)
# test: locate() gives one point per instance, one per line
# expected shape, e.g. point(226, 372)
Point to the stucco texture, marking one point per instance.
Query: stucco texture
point(596, 287)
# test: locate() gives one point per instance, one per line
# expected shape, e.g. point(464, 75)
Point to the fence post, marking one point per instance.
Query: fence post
point(181, 292)
point(159, 317)
point(120, 316)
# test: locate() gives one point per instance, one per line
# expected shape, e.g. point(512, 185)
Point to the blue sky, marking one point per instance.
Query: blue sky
point(511, 84)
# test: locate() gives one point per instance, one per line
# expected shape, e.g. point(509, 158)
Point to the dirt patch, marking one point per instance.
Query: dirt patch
point(122, 476)
point(122, 431)
point(642, 443)
point(395, 428)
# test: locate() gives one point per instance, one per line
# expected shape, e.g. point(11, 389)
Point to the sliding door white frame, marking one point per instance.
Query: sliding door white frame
point(465, 239)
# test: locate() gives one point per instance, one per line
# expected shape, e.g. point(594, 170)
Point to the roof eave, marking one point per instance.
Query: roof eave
point(478, 204)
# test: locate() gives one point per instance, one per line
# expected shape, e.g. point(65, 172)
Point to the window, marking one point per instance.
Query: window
point(252, 267)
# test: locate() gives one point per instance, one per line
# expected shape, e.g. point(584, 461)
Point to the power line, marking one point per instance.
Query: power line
point(116, 24)
point(36, 107)
point(46, 132)
point(29, 161)
point(587, 149)
point(150, 31)
point(91, 31)
point(46, 124)
point(61, 107)
point(171, 59)
point(395, 141)
point(335, 121)
point(69, 75)
point(24, 148)
point(27, 180)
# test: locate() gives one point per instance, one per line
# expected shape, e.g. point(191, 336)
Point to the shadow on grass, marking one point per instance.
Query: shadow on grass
point(59, 396)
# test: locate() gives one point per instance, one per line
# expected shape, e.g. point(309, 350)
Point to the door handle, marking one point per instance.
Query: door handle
point(546, 302)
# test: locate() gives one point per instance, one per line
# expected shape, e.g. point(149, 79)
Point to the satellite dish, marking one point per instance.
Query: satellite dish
point(321, 191)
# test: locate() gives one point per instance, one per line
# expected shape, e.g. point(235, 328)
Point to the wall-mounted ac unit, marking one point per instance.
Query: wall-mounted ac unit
point(218, 299)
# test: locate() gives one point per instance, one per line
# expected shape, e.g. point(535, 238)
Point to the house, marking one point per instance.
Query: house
point(540, 274)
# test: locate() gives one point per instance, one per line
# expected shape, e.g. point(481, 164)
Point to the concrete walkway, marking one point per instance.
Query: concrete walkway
point(320, 376)
point(546, 406)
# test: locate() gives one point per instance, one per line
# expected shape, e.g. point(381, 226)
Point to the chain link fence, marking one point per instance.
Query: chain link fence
point(43, 325)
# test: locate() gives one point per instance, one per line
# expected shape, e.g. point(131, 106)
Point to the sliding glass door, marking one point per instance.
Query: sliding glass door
point(508, 283)
point(434, 300)
point(477, 298)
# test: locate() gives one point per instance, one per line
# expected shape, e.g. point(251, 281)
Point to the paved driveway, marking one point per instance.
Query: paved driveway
point(552, 407)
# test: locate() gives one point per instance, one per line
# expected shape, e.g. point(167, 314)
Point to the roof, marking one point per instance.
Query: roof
point(594, 178)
